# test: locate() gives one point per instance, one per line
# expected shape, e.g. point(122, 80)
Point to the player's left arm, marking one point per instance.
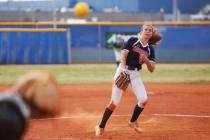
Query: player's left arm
point(153, 41)
point(150, 64)
point(150, 60)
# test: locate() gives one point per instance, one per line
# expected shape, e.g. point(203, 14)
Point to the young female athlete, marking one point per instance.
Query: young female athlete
point(136, 52)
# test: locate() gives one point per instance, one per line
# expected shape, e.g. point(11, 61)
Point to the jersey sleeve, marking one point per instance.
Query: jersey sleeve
point(152, 54)
point(128, 45)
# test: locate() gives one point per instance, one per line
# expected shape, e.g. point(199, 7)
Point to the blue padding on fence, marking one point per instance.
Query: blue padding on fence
point(33, 48)
point(84, 36)
point(181, 43)
point(186, 43)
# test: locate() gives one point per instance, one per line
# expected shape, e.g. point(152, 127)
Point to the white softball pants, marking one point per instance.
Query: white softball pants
point(136, 85)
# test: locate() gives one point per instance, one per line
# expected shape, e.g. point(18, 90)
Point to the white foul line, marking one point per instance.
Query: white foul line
point(58, 138)
point(181, 115)
point(123, 115)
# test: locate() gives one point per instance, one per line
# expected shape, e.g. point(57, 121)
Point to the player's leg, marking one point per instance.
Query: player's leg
point(141, 95)
point(140, 92)
point(115, 100)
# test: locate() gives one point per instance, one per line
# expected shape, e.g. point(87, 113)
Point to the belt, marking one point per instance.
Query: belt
point(133, 68)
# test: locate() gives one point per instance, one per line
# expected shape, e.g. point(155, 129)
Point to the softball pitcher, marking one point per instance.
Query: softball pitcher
point(136, 52)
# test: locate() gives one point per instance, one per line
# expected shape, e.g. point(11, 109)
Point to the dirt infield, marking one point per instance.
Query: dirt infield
point(174, 112)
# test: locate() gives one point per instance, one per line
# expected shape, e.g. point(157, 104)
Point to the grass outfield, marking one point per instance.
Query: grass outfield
point(103, 73)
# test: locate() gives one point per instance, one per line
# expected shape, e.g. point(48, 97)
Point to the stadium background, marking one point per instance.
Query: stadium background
point(48, 32)
point(85, 40)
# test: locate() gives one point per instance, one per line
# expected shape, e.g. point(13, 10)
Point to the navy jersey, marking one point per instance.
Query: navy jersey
point(135, 48)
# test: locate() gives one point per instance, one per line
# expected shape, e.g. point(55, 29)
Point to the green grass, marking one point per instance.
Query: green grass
point(103, 73)
point(178, 73)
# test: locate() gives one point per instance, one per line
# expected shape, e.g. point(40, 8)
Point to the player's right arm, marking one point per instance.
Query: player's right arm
point(124, 54)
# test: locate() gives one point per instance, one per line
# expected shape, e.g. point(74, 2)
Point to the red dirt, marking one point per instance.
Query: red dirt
point(82, 107)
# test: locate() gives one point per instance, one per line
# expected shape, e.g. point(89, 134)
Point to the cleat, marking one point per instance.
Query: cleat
point(136, 126)
point(99, 131)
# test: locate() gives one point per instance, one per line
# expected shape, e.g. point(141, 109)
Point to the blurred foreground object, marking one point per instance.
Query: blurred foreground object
point(40, 90)
point(35, 94)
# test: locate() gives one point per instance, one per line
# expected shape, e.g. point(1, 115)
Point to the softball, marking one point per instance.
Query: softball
point(81, 9)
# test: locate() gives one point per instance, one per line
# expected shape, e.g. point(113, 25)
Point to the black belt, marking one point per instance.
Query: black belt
point(133, 68)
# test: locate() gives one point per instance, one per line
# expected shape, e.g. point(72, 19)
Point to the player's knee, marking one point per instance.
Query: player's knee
point(112, 106)
point(116, 102)
point(142, 103)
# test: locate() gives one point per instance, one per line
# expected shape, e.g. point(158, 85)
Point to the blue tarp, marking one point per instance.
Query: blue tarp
point(33, 48)
point(181, 43)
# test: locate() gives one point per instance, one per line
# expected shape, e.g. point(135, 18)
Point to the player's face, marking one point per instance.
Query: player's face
point(147, 31)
